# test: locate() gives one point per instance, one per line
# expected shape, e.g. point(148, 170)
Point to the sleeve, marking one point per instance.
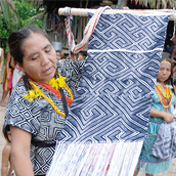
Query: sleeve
point(174, 99)
point(72, 70)
point(22, 113)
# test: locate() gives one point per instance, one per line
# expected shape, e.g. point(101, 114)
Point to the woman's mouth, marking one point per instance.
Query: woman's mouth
point(164, 77)
point(48, 70)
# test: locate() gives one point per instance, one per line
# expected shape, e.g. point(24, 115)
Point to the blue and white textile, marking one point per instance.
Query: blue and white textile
point(72, 70)
point(108, 120)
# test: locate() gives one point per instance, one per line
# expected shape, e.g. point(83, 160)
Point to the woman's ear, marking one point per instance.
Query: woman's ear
point(20, 66)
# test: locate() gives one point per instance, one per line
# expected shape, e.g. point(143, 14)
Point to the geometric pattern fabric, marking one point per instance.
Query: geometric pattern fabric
point(113, 100)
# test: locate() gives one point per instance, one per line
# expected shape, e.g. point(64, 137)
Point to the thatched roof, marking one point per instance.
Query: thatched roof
point(53, 5)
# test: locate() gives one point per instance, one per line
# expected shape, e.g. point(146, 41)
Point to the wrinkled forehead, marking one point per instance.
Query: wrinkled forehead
point(34, 43)
point(165, 65)
point(35, 38)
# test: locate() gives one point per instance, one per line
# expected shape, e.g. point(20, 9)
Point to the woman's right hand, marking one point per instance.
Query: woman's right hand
point(168, 117)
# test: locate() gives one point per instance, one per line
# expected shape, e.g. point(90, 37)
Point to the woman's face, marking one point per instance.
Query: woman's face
point(39, 61)
point(58, 55)
point(164, 71)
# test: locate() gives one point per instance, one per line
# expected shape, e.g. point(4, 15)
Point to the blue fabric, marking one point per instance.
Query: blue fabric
point(72, 70)
point(148, 162)
point(114, 97)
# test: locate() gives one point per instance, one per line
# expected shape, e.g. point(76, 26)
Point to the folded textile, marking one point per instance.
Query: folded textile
point(165, 144)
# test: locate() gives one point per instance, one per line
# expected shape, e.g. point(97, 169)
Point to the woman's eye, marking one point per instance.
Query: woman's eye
point(47, 51)
point(34, 58)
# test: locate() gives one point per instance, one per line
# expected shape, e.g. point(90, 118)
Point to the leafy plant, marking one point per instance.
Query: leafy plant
point(17, 14)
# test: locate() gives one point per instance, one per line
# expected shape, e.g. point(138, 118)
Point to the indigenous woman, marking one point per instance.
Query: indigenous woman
point(161, 111)
point(38, 104)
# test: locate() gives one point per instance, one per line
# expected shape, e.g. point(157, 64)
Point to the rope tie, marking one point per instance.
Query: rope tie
point(87, 32)
point(66, 11)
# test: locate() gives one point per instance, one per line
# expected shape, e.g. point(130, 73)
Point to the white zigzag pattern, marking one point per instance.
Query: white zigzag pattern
point(114, 96)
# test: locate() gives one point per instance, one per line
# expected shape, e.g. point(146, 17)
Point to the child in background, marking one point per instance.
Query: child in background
point(6, 156)
point(7, 80)
point(163, 98)
point(60, 55)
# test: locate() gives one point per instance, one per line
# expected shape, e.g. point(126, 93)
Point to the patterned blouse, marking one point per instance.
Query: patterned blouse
point(40, 119)
point(72, 71)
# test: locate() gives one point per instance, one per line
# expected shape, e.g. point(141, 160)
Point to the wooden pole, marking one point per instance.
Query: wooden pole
point(84, 12)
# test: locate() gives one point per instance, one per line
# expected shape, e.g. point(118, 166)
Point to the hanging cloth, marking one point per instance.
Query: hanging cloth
point(108, 120)
point(87, 32)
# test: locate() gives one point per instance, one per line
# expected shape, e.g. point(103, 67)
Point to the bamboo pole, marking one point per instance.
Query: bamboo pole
point(84, 12)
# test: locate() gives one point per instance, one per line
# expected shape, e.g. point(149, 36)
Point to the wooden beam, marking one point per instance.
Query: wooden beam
point(84, 12)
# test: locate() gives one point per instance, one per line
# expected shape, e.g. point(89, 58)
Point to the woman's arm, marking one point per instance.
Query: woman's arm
point(5, 160)
point(20, 152)
point(160, 114)
point(2, 58)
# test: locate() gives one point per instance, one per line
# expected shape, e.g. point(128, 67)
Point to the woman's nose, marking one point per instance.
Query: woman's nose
point(44, 60)
point(164, 71)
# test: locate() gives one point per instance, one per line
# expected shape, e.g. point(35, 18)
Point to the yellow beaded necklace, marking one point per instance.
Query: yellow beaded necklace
point(164, 96)
point(54, 83)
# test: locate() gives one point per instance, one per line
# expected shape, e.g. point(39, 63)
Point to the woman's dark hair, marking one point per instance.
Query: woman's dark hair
point(16, 39)
point(15, 43)
point(4, 131)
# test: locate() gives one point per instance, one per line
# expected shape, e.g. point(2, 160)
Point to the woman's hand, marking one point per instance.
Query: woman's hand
point(168, 117)
point(174, 116)
point(160, 114)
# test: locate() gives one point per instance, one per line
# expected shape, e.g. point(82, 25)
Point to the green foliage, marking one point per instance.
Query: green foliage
point(11, 20)
point(10, 16)
point(26, 11)
point(4, 34)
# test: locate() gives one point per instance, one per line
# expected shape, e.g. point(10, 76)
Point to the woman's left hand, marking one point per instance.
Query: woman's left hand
point(174, 116)
point(169, 118)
